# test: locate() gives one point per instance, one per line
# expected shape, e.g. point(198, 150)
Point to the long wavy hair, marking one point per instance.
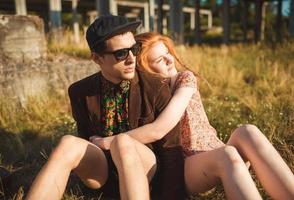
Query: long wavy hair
point(148, 40)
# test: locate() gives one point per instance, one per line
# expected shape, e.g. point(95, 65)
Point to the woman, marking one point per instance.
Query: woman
point(207, 159)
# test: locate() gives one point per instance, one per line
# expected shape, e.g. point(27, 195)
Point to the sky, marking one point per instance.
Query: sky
point(285, 5)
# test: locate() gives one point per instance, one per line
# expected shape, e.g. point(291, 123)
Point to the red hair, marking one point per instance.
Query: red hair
point(148, 40)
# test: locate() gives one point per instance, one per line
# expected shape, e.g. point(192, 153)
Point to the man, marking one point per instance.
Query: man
point(113, 101)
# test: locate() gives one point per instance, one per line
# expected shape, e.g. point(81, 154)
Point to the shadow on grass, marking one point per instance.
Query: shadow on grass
point(23, 155)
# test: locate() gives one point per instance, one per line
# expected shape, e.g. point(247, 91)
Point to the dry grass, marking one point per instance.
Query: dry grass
point(244, 84)
point(248, 84)
point(67, 45)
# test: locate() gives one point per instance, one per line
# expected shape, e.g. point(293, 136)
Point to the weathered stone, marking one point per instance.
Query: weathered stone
point(22, 38)
point(19, 81)
point(25, 69)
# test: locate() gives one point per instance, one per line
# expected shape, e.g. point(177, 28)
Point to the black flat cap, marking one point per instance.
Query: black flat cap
point(106, 27)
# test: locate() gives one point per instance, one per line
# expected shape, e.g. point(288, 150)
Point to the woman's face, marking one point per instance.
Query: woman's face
point(161, 61)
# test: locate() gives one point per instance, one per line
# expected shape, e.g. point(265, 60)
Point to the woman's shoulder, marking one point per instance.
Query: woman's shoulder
point(151, 77)
point(186, 79)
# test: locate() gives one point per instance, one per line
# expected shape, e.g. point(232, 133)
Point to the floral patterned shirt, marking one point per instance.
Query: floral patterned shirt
point(114, 107)
point(197, 135)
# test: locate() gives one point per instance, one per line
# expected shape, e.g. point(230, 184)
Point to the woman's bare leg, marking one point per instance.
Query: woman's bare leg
point(273, 173)
point(203, 171)
point(71, 153)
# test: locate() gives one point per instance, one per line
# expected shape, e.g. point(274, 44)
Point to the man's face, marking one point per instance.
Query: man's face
point(113, 69)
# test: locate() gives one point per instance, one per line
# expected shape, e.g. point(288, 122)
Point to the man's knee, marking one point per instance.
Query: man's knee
point(67, 151)
point(123, 150)
point(123, 144)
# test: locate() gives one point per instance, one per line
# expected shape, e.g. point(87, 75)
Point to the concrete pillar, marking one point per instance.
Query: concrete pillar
point(76, 29)
point(106, 7)
point(258, 19)
point(113, 7)
point(192, 20)
point(291, 19)
point(164, 25)
point(262, 24)
point(146, 17)
point(55, 13)
point(20, 7)
point(197, 22)
point(102, 7)
point(160, 16)
point(151, 14)
point(176, 20)
point(244, 20)
point(279, 21)
point(226, 21)
point(209, 15)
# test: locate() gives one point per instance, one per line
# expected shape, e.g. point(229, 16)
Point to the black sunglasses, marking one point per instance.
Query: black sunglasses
point(122, 54)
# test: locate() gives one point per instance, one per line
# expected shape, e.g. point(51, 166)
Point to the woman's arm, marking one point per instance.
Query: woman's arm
point(167, 119)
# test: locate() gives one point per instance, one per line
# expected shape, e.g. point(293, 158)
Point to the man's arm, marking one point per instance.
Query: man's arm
point(77, 93)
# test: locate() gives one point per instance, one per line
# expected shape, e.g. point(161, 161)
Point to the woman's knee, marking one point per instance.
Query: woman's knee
point(248, 134)
point(228, 158)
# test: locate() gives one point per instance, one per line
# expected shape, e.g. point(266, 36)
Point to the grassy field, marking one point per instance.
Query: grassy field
point(241, 84)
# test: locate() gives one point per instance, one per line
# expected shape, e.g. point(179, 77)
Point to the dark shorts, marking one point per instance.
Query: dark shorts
point(111, 187)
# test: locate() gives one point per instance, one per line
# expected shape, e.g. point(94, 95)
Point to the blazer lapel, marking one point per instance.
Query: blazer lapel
point(134, 102)
point(93, 102)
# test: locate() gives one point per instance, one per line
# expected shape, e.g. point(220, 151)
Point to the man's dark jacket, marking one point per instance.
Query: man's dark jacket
point(148, 96)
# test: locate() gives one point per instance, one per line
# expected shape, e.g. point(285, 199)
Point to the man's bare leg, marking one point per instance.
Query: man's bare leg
point(136, 165)
point(72, 153)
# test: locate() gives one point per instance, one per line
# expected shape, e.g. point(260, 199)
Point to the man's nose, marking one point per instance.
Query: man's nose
point(131, 58)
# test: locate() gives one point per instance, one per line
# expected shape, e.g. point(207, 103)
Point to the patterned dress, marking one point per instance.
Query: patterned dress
point(197, 135)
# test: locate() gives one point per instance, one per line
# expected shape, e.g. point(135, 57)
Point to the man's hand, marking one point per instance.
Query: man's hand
point(103, 143)
point(95, 140)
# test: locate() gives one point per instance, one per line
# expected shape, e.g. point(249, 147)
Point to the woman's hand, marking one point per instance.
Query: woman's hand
point(103, 143)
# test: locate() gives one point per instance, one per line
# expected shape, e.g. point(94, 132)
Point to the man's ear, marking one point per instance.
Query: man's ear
point(96, 58)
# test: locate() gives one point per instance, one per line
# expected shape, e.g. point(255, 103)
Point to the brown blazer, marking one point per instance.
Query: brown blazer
point(148, 96)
